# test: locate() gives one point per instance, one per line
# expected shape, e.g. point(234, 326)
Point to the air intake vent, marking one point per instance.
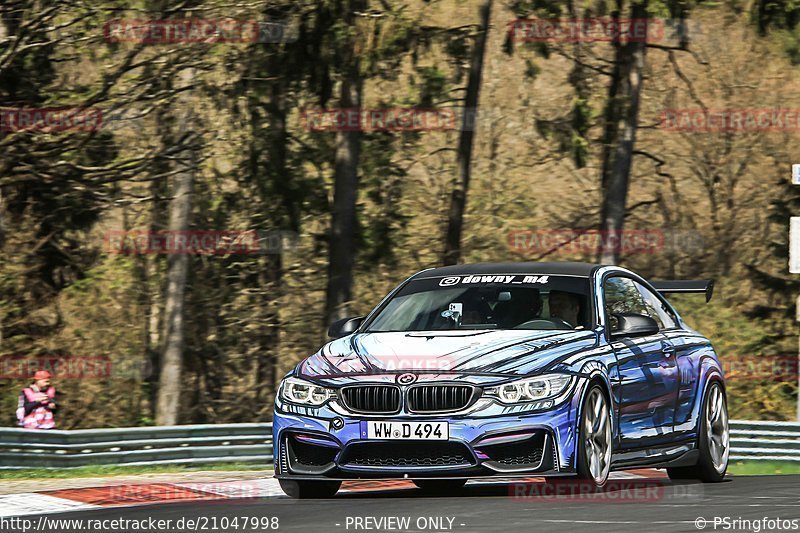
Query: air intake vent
point(310, 453)
point(373, 399)
point(439, 398)
point(399, 454)
point(515, 454)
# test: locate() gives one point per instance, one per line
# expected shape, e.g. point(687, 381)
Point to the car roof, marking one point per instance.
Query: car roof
point(564, 268)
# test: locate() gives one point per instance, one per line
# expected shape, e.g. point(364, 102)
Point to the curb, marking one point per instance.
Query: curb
point(112, 496)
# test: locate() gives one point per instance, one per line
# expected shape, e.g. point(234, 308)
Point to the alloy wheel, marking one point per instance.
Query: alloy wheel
point(597, 436)
point(717, 434)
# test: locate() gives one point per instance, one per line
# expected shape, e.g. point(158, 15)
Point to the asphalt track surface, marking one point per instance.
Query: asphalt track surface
point(484, 508)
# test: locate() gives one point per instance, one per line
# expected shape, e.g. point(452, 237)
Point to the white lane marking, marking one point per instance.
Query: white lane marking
point(502, 481)
point(687, 505)
point(31, 503)
point(472, 482)
point(253, 488)
point(612, 521)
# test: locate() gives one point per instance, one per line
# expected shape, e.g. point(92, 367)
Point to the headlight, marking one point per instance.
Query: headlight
point(304, 392)
point(528, 390)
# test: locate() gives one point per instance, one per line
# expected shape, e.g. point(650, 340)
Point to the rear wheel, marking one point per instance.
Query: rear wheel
point(309, 489)
point(440, 486)
point(594, 444)
point(713, 442)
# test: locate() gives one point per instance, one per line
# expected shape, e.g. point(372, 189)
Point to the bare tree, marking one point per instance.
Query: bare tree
point(342, 241)
point(180, 210)
point(458, 197)
point(619, 135)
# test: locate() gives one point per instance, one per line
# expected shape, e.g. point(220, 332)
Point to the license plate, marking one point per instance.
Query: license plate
point(408, 430)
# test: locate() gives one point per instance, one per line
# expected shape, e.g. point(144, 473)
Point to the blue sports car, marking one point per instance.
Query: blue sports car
point(506, 369)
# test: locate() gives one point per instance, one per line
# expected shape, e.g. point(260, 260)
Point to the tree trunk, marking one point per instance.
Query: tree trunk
point(579, 77)
point(343, 223)
point(280, 174)
point(170, 380)
point(342, 239)
point(458, 198)
point(151, 281)
point(2, 221)
point(272, 178)
point(619, 137)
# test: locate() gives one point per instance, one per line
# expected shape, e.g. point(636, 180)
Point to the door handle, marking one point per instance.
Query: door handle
point(669, 351)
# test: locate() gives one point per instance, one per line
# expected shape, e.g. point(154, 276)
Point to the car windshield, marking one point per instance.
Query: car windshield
point(487, 301)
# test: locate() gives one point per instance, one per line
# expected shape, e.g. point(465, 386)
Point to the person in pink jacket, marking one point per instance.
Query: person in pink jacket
point(37, 403)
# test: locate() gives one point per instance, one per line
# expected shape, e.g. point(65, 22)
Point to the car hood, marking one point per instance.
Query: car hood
point(443, 354)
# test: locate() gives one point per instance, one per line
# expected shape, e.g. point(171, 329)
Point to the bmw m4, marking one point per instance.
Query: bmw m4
point(506, 369)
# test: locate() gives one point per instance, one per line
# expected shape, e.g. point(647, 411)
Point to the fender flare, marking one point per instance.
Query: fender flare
point(599, 376)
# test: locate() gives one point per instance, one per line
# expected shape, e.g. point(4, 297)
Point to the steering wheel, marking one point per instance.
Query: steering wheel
point(545, 323)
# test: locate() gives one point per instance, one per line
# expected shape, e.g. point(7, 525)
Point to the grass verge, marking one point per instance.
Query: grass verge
point(763, 468)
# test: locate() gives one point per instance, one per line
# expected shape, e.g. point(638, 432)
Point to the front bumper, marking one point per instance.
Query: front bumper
point(322, 443)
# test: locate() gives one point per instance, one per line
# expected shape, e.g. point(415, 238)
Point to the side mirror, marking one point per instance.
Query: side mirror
point(344, 326)
point(633, 325)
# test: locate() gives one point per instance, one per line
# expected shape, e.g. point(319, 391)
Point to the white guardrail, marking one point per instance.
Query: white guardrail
point(252, 443)
point(765, 441)
point(209, 443)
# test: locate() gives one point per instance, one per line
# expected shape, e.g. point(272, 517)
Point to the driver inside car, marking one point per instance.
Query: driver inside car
point(564, 305)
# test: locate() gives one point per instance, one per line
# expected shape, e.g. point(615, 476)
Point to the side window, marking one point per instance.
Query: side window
point(622, 296)
point(656, 308)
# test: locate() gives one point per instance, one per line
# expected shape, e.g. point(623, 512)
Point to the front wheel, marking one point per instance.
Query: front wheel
point(594, 444)
point(713, 442)
point(309, 489)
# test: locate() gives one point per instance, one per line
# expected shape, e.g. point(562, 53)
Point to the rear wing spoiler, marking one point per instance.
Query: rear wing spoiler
point(688, 286)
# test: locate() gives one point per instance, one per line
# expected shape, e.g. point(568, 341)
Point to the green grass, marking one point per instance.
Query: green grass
point(114, 470)
point(763, 468)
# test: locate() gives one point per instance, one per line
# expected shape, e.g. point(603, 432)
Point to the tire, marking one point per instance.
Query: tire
point(713, 445)
point(440, 486)
point(309, 489)
point(594, 437)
